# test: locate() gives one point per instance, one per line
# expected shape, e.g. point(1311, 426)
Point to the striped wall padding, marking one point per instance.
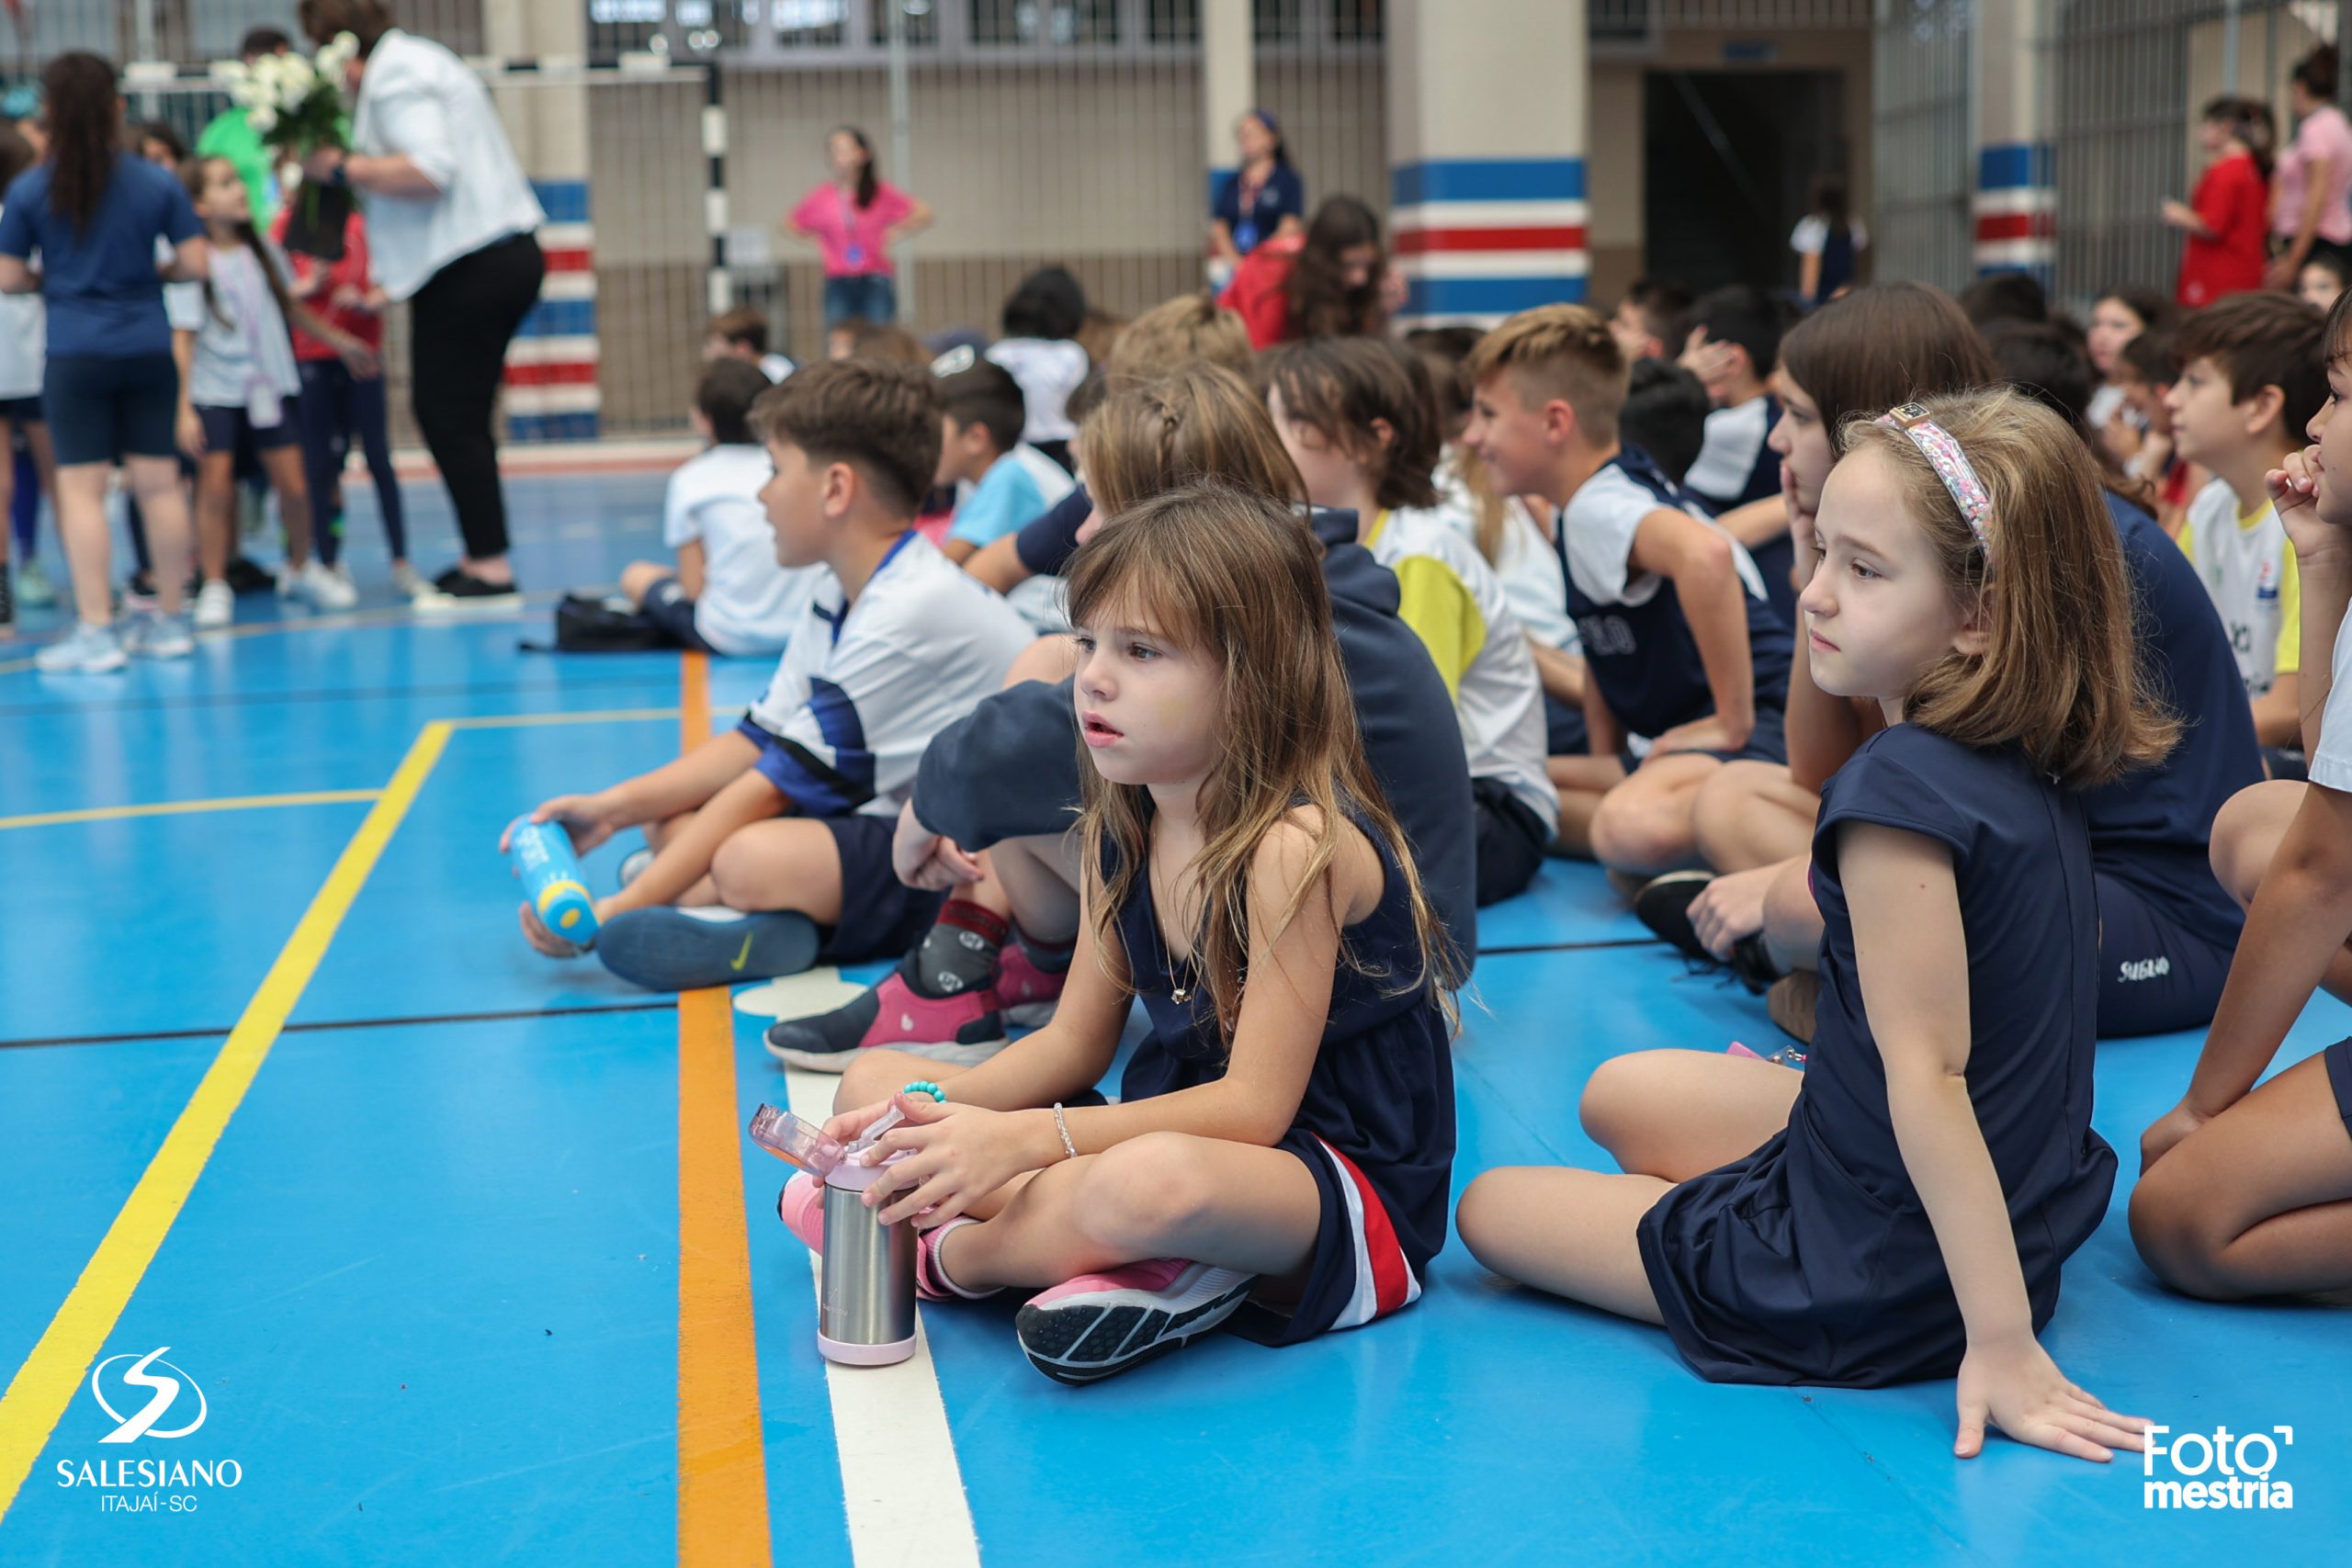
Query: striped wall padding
point(2016, 208)
point(552, 391)
point(1477, 239)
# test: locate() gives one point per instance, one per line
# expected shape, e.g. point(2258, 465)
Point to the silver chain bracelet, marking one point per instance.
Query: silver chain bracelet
point(1069, 1150)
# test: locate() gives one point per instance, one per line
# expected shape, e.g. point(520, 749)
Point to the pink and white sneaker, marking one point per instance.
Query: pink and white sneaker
point(801, 1207)
point(1027, 993)
point(1097, 1326)
point(961, 1030)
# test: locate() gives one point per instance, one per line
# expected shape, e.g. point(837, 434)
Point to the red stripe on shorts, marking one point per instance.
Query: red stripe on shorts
point(1389, 1275)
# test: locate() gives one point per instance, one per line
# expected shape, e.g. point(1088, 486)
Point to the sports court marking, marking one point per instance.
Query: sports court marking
point(45, 1384)
point(37, 1395)
point(722, 1456)
point(190, 807)
point(338, 1025)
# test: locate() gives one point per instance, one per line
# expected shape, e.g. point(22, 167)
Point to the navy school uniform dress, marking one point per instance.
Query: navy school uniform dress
point(2167, 930)
point(1812, 1260)
point(1375, 1128)
point(1637, 643)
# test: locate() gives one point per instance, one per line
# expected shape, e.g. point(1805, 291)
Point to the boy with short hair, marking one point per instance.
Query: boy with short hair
point(725, 593)
point(742, 334)
point(1650, 322)
point(1689, 663)
point(1014, 484)
point(771, 843)
point(1735, 342)
point(2250, 378)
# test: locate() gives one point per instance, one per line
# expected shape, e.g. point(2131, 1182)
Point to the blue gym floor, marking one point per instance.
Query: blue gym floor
point(429, 1279)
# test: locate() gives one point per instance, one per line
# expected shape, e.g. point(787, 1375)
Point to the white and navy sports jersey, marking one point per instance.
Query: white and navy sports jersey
point(1735, 467)
point(864, 686)
point(1636, 642)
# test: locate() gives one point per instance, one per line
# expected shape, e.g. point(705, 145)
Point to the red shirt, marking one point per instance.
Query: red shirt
point(2233, 200)
point(1257, 292)
point(351, 271)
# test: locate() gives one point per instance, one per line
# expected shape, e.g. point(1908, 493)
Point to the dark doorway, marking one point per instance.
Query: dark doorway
point(1728, 158)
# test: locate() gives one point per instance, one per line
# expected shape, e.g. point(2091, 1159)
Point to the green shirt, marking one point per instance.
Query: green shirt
point(229, 136)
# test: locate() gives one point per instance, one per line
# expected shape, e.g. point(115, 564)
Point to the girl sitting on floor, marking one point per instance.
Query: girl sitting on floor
point(1901, 1210)
point(1284, 1145)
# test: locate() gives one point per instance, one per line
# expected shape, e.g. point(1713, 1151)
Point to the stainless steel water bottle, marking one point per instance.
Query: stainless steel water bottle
point(865, 1310)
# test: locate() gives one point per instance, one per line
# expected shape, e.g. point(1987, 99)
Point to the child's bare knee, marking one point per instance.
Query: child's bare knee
point(2246, 832)
point(737, 872)
point(1482, 1218)
point(1639, 829)
point(1142, 1192)
point(2176, 1234)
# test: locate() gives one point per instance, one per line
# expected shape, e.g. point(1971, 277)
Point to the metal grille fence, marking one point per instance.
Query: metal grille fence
point(2131, 78)
point(1065, 132)
point(1923, 143)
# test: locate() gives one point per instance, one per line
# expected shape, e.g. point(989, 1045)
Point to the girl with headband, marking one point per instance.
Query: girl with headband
point(1900, 1211)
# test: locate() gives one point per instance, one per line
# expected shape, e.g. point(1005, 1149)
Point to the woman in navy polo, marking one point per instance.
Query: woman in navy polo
point(1260, 199)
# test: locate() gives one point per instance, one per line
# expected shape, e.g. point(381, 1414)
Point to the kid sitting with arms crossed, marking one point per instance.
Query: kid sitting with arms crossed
point(1283, 1141)
point(772, 842)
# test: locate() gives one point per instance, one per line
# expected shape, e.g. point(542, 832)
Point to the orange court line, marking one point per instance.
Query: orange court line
point(722, 1456)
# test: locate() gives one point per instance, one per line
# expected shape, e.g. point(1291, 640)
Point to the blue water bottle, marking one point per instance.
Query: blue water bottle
point(541, 854)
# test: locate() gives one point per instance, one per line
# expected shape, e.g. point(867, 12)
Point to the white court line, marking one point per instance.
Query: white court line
point(901, 1487)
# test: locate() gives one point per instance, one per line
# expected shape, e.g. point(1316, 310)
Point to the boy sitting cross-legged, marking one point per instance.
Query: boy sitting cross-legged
point(771, 843)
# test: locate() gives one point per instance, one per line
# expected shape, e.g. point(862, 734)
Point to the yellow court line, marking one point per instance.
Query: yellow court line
point(45, 1384)
point(533, 720)
point(722, 1457)
point(191, 808)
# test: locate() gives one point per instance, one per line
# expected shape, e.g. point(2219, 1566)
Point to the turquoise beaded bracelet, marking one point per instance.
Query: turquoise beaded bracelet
point(924, 1085)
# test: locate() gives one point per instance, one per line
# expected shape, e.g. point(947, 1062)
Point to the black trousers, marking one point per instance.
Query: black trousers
point(461, 321)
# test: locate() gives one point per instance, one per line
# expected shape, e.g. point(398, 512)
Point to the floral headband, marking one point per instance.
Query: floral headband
point(1943, 455)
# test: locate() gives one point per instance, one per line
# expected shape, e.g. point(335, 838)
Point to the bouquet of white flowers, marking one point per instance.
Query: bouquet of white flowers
point(291, 102)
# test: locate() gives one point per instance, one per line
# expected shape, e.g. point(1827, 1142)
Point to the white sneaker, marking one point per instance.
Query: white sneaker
point(342, 571)
point(85, 650)
point(216, 606)
point(34, 591)
point(406, 582)
point(317, 585)
point(159, 636)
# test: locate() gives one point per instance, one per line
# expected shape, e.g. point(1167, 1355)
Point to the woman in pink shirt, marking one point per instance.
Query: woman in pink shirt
point(853, 218)
point(2311, 215)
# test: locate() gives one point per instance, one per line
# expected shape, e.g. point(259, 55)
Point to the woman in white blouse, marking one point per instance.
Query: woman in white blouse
point(450, 228)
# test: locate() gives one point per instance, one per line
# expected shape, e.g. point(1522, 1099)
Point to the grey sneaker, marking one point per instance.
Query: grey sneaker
point(159, 637)
point(85, 650)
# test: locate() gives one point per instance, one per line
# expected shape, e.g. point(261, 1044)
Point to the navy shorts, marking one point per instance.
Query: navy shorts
point(2155, 976)
point(1511, 841)
point(1767, 743)
point(668, 606)
point(22, 410)
point(232, 430)
point(1564, 731)
point(881, 916)
point(2339, 1058)
point(1359, 1270)
point(102, 410)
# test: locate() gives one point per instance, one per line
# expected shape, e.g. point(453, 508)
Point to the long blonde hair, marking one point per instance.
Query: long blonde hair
point(1237, 575)
point(2061, 678)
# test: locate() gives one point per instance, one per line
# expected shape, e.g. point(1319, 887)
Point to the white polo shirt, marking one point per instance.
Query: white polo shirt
point(418, 100)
